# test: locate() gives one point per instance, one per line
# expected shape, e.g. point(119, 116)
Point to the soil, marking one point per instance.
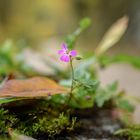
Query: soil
point(94, 125)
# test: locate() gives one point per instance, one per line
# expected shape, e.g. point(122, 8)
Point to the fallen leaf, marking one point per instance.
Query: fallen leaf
point(31, 88)
point(113, 35)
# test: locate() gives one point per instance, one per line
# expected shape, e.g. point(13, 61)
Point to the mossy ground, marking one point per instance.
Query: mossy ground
point(35, 119)
point(132, 132)
point(41, 119)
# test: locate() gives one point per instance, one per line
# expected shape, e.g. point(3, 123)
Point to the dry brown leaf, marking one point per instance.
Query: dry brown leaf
point(31, 88)
point(113, 35)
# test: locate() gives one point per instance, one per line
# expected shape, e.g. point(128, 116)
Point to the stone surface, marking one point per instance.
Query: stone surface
point(129, 81)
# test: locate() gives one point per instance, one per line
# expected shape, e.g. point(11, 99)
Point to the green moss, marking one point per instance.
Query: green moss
point(6, 121)
point(131, 132)
point(36, 120)
point(53, 126)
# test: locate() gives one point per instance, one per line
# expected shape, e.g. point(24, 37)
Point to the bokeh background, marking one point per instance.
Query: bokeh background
point(37, 22)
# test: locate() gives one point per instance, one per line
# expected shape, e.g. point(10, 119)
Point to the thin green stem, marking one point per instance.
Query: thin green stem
point(72, 84)
point(72, 74)
point(72, 77)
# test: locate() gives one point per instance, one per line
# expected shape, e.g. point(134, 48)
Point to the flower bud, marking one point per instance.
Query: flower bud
point(78, 57)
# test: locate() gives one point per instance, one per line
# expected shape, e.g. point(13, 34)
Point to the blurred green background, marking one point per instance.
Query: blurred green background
point(36, 21)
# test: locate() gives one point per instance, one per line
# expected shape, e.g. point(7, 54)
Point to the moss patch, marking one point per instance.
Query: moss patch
point(36, 119)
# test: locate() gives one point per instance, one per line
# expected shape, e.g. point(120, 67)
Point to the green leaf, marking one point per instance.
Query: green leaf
point(121, 58)
point(85, 87)
point(85, 23)
point(125, 105)
point(85, 69)
point(7, 100)
point(106, 94)
point(72, 38)
point(83, 95)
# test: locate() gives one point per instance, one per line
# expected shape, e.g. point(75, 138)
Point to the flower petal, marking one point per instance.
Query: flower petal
point(64, 47)
point(65, 58)
point(73, 53)
point(61, 52)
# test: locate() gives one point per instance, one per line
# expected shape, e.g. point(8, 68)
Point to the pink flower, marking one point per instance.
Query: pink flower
point(66, 54)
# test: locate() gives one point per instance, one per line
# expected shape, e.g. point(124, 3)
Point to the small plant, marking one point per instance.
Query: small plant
point(46, 120)
point(131, 132)
point(68, 56)
point(48, 112)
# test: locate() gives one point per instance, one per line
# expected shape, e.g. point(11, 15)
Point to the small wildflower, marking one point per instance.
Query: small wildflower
point(66, 54)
